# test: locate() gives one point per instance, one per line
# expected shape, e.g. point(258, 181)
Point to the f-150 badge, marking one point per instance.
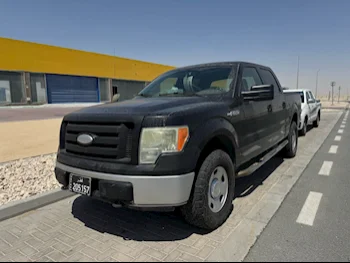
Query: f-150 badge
point(233, 113)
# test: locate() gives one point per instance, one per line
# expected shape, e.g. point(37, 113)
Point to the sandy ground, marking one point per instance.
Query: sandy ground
point(336, 104)
point(28, 138)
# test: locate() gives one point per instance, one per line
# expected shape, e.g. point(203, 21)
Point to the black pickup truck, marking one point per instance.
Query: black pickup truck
point(182, 141)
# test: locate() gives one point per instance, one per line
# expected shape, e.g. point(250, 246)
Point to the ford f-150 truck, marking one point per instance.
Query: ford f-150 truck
point(310, 109)
point(182, 141)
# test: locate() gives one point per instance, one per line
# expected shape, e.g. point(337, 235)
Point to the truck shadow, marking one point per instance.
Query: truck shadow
point(246, 185)
point(154, 226)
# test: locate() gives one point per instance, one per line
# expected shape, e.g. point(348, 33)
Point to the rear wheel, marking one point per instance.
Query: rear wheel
point(210, 203)
point(317, 121)
point(292, 146)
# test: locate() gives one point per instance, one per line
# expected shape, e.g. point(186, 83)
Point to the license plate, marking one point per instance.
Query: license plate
point(79, 184)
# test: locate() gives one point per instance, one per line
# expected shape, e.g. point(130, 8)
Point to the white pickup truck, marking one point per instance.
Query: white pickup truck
point(311, 109)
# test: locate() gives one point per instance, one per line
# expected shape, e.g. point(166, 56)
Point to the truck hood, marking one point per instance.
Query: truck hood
point(142, 107)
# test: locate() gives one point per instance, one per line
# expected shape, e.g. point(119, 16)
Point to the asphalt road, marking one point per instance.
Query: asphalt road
point(313, 223)
point(25, 114)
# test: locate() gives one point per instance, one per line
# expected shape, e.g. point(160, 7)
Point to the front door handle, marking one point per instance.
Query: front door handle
point(269, 108)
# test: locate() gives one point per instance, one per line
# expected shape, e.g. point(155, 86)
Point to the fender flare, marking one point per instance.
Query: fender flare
point(211, 129)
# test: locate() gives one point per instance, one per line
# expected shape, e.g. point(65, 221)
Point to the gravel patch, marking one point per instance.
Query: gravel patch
point(27, 177)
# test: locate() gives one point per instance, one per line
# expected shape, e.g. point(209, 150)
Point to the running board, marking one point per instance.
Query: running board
point(255, 166)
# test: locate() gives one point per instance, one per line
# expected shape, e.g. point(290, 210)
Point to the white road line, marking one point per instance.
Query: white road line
point(333, 149)
point(326, 168)
point(337, 138)
point(308, 212)
point(341, 131)
point(342, 126)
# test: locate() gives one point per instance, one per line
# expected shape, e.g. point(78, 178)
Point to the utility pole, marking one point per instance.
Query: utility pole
point(339, 94)
point(333, 84)
point(298, 74)
point(316, 83)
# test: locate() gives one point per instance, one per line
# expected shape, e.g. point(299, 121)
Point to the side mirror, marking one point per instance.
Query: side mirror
point(261, 92)
point(310, 101)
point(116, 97)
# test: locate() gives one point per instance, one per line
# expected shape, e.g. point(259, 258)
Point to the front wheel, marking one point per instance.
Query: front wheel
point(292, 146)
point(210, 203)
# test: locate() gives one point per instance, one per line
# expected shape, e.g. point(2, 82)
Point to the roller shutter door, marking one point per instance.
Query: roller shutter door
point(70, 89)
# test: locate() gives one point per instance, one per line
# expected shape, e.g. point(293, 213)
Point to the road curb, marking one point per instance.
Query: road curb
point(19, 207)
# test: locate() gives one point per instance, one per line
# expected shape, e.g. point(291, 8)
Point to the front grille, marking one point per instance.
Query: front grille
point(112, 141)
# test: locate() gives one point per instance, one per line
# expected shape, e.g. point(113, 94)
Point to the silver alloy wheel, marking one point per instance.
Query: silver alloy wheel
point(218, 189)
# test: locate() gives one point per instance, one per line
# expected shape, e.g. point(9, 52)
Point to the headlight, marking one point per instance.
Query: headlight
point(155, 141)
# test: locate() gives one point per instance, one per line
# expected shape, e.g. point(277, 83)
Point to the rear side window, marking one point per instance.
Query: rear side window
point(250, 78)
point(312, 95)
point(269, 79)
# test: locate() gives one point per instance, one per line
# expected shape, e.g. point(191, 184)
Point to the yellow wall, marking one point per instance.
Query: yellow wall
point(18, 55)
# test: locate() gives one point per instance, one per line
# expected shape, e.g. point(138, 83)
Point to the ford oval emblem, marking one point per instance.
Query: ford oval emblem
point(85, 139)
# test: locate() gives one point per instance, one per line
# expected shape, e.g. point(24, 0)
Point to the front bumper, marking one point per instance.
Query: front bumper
point(138, 191)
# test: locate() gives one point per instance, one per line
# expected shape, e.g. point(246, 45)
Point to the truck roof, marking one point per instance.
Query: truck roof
point(222, 64)
point(296, 90)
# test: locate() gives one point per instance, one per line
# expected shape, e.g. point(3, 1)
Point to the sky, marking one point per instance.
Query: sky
point(184, 32)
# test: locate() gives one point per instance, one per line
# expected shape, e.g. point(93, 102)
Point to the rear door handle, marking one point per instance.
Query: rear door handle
point(269, 108)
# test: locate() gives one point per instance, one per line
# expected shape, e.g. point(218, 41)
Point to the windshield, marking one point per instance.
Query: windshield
point(190, 82)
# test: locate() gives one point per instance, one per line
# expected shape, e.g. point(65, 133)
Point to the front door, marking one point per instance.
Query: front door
point(279, 112)
point(253, 129)
point(312, 106)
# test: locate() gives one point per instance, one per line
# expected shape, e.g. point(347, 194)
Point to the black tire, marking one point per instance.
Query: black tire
point(291, 148)
point(197, 211)
point(303, 131)
point(317, 121)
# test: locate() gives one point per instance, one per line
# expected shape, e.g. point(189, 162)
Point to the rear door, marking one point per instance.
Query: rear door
point(279, 113)
point(253, 129)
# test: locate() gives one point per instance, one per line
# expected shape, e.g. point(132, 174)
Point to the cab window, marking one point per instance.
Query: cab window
point(250, 78)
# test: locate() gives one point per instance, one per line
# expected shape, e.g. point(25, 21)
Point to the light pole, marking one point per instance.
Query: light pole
point(316, 83)
point(332, 84)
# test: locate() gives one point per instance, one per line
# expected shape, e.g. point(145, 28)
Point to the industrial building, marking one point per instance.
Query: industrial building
point(36, 74)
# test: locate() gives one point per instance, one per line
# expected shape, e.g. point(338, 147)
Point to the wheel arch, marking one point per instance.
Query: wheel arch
point(216, 134)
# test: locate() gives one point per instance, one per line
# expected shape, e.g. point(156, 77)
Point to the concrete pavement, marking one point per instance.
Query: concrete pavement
point(313, 222)
point(81, 229)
